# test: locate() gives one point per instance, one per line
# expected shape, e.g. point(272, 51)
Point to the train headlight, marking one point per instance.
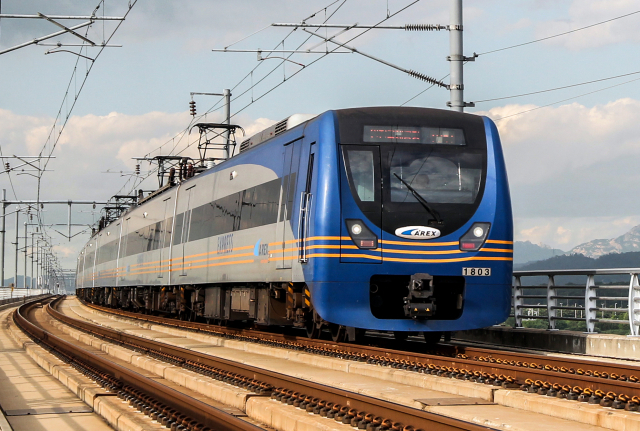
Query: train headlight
point(475, 237)
point(361, 235)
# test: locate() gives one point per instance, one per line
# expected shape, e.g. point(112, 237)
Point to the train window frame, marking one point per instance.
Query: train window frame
point(373, 206)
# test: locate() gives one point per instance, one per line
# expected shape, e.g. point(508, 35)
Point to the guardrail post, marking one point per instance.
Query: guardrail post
point(634, 321)
point(518, 302)
point(551, 302)
point(590, 305)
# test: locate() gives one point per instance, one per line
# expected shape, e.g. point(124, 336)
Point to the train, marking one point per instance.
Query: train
point(393, 219)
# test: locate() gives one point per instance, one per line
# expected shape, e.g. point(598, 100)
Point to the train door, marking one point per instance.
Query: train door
point(285, 228)
point(361, 195)
point(186, 227)
point(117, 259)
point(165, 226)
point(84, 267)
point(94, 253)
point(306, 202)
point(122, 253)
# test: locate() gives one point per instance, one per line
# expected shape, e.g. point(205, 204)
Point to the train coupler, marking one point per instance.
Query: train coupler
point(420, 303)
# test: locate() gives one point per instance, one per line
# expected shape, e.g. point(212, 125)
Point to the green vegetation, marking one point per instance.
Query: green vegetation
point(573, 325)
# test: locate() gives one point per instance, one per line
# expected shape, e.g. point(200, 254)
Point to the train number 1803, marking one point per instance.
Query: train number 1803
point(476, 271)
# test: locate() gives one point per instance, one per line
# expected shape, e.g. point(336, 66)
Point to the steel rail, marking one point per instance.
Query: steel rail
point(491, 361)
point(196, 409)
point(418, 419)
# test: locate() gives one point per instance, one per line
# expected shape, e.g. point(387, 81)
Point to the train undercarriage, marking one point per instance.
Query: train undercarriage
point(260, 304)
point(257, 305)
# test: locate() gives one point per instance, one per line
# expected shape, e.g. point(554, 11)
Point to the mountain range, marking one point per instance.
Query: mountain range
point(525, 252)
point(628, 242)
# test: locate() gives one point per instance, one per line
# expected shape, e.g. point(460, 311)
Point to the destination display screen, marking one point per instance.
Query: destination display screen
point(413, 135)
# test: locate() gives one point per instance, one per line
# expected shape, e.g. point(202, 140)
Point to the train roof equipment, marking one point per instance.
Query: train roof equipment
point(275, 130)
point(209, 132)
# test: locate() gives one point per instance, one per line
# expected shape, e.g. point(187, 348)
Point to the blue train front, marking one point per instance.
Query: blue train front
point(385, 218)
point(413, 226)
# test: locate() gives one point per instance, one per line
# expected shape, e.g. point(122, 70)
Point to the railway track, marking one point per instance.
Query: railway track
point(179, 411)
point(604, 383)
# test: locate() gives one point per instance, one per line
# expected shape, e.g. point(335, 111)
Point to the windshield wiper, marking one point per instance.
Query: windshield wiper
point(422, 200)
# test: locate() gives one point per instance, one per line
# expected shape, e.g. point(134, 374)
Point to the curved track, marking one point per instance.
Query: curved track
point(347, 407)
point(604, 383)
point(141, 391)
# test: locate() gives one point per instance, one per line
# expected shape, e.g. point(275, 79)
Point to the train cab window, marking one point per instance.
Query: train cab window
point(440, 177)
point(361, 168)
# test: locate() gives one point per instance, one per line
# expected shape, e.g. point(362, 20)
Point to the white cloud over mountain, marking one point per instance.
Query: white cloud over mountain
point(572, 170)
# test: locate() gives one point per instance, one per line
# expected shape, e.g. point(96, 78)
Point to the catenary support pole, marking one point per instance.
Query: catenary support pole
point(456, 58)
point(2, 232)
point(227, 116)
point(15, 272)
point(69, 221)
point(24, 282)
point(32, 251)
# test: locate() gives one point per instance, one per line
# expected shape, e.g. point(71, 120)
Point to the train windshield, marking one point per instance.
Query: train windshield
point(443, 159)
point(438, 176)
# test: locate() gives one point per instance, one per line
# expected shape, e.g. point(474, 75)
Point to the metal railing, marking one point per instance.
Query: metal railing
point(590, 296)
point(8, 293)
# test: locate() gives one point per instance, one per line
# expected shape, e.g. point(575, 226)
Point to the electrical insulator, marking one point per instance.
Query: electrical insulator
point(192, 107)
point(7, 167)
point(138, 169)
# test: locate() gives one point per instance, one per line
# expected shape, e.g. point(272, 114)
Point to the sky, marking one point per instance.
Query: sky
point(571, 154)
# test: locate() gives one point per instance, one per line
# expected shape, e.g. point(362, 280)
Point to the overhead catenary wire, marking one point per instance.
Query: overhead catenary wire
point(559, 34)
point(10, 183)
point(529, 43)
point(558, 88)
point(329, 52)
point(244, 78)
point(411, 73)
point(77, 93)
point(56, 130)
point(138, 181)
point(425, 90)
point(565, 100)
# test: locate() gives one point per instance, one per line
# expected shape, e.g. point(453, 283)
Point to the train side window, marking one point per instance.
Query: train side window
point(285, 188)
point(177, 235)
point(226, 214)
point(157, 238)
point(362, 173)
point(290, 195)
point(125, 239)
point(247, 205)
point(202, 222)
point(167, 231)
point(150, 232)
point(260, 205)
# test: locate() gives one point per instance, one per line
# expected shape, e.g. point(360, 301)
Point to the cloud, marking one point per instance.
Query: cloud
point(89, 146)
point(66, 251)
point(552, 143)
point(572, 170)
point(587, 12)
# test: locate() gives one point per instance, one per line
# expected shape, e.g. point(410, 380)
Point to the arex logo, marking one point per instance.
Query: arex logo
point(417, 232)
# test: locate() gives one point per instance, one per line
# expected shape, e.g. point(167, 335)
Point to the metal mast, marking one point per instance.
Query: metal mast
point(456, 58)
point(2, 234)
point(227, 115)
